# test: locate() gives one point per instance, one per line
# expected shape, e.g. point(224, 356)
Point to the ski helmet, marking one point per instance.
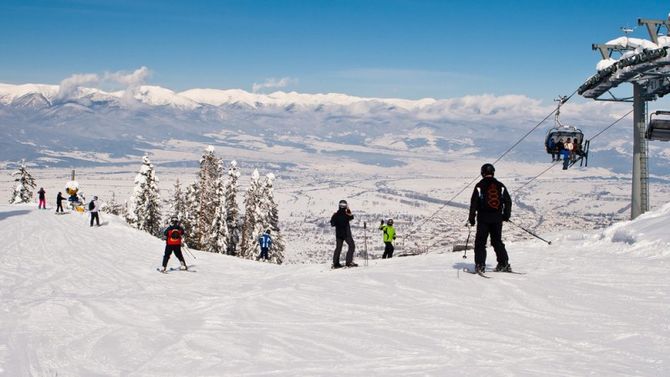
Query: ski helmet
point(343, 203)
point(390, 222)
point(488, 169)
point(174, 219)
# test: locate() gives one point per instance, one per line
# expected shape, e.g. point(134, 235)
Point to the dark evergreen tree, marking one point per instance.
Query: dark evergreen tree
point(232, 209)
point(144, 209)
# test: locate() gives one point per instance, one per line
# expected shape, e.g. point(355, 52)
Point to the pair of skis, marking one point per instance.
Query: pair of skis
point(175, 269)
point(482, 274)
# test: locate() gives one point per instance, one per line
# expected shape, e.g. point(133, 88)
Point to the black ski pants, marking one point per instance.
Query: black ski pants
point(338, 249)
point(264, 253)
point(59, 207)
point(169, 249)
point(94, 216)
point(388, 250)
point(484, 229)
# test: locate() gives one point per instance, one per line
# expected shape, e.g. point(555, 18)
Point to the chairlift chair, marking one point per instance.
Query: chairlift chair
point(658, 128)
point(562, 132)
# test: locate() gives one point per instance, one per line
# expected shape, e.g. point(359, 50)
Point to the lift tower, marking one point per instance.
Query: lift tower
point(647, 67)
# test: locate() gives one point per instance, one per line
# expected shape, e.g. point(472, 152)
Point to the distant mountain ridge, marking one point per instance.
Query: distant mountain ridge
point(73, 125)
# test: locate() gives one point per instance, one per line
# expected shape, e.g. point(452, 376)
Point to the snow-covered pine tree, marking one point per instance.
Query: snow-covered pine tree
point(278, 251)
point(177, 204)
point(217, 241)
point(251, 198)
point(144, 206)
point(232, 208)
point(267, 218)
point(207, 199)
point(113, 207)
point(24, 185)
point(188, 219)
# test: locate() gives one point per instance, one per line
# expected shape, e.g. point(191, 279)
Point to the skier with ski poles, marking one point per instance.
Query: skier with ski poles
point(490, 204)
point(388, 232)
point(340, 220)
point(174, 234)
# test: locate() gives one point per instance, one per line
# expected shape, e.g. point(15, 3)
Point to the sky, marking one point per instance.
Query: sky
point(393, 48)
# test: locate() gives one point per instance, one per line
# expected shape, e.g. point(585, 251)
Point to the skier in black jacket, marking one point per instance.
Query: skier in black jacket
point(491, 204)
point(59, 203)
point(340, 220)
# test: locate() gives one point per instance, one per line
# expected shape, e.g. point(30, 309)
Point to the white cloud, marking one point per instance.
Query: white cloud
point(129, 82)
point(273, 83)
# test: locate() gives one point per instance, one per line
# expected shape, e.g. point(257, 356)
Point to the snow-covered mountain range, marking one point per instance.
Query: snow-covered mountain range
point(75, 125)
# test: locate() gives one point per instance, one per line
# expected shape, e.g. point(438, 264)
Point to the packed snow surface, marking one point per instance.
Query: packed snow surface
point(82, 301)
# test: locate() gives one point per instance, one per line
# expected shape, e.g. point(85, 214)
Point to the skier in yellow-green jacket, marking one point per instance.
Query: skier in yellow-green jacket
point(388, 232)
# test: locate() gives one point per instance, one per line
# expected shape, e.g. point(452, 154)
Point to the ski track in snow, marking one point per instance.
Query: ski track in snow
point(82, 301)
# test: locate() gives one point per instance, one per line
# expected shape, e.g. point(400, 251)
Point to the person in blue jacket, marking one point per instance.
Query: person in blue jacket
point(265, 242)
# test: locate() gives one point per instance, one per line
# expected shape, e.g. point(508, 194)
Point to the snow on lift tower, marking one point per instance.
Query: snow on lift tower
point(658, 128)
point(72, 188)
point(563, 132)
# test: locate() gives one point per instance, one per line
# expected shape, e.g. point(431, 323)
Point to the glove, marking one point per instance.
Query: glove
point(471, 221)
point(382, 222)
point(505, 218)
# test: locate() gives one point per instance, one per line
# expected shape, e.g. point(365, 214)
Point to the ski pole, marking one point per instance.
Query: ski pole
point(529, 232)
point(189, 251)
point(365, 241)
point(467, 240)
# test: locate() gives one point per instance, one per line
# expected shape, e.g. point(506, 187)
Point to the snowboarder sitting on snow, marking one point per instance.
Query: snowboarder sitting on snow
point(265, 242)
point(43, 200)
point(340, 220)
point(492, 205)
point(94, 208)
point(388, 232)
point(59, 202)
point(174, 235)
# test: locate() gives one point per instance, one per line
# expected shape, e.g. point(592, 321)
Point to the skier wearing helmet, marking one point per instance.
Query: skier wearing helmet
point(340, 220)
point(388, 232)
point(491, 204)
point(174, 234)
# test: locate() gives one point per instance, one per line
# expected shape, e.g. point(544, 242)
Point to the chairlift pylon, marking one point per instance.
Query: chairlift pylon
point(658, 128)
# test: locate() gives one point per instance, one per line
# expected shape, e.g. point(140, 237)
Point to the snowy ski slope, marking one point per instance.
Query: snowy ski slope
point(81, 301)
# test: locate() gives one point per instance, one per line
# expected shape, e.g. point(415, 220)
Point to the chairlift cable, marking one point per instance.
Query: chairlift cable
point(563, 101)
point(596, 135)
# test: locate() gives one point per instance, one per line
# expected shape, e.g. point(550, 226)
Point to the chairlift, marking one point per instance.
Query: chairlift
point(562, 133)
point(658, 128)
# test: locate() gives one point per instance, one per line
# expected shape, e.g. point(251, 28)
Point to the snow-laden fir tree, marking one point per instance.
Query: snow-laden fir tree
point(188, 219)
point(251, 199)
point(232, 208)
point(144, 210)
point(267, 218)
point(217, 242)
point(24, 185)
point(177, 205)
point(278, 250)
point(207, 199)
point(113, 207)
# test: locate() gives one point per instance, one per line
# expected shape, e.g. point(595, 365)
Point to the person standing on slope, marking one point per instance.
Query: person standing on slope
point(491, 204)
point(59, 202)
point(388, 232)
point(174, 234)
point(43, 199)
point(265, 242)
point(94, 209)
point(340, 220)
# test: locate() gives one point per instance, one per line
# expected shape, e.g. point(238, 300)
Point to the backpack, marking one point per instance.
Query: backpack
point(490, 197)
point(91, 205)
point(174, 237)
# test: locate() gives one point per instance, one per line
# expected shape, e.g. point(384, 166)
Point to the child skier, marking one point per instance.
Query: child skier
point(174, 234)
point(388, 232)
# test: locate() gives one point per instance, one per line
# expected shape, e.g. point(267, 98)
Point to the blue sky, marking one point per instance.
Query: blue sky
point(392, 48)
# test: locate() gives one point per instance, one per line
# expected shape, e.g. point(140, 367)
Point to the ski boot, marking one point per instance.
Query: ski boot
point(352, 264)
point(183, 266)
point(480, 268)
point(336, 266)
point(503, 267)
